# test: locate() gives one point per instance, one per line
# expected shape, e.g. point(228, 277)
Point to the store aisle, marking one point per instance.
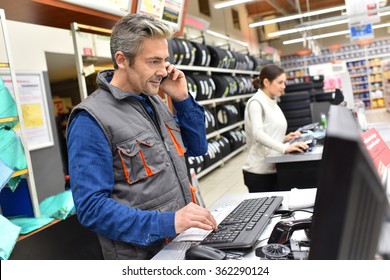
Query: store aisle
point(225, 179)
point(378, 116)
point(229, 179)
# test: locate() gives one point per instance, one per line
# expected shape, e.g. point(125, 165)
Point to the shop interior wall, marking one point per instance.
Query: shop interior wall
point(47, 162)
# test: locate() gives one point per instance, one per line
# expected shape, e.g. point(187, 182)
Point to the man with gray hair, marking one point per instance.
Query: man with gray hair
point(126, 150)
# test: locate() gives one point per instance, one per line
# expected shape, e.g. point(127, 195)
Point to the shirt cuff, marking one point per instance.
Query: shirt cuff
point(167, 224)
point(285, 145)
point(186, 104)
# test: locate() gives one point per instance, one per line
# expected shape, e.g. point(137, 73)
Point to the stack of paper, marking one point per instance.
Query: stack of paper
point(302, 198)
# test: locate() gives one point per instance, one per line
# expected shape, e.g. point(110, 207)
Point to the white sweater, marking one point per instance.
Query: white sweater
point(265, 128)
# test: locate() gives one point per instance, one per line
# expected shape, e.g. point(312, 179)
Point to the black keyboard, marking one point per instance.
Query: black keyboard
point(306, 138)
point(311, 126)
point(243, 226)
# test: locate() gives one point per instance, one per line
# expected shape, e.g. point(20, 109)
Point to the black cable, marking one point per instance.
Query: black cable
point(284, 214)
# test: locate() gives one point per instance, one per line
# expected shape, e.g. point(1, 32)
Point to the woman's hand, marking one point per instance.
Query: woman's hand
point(299, 147)
point(292, 135)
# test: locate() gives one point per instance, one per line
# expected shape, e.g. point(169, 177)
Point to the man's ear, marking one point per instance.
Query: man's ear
point(120, 59)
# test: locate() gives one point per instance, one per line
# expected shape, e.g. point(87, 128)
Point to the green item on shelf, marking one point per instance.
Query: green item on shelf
point(9, 234)
point(8, 106)
point(58, 206)
point(5, 174)
point(12, 153)
point(28, 225)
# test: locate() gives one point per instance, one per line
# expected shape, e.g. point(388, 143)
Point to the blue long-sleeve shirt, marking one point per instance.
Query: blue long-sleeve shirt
point(92, 178)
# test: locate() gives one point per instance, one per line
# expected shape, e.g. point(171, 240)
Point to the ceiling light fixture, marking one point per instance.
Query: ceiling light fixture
point(327, 35)
point(307, 28)
point(297, 16)
point(316, 26)
point(230, 3)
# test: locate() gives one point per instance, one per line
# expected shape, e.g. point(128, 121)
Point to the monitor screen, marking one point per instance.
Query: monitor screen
point(351, 202)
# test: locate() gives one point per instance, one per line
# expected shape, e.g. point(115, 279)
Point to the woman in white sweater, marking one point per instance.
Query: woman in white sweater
point(265, 129)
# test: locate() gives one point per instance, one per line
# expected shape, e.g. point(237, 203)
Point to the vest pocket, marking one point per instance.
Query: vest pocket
point(140, 158)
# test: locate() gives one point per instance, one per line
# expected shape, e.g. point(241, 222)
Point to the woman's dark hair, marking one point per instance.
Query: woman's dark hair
point(270, 72)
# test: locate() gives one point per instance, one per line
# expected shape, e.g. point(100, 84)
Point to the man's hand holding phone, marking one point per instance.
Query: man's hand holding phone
point(174, 84)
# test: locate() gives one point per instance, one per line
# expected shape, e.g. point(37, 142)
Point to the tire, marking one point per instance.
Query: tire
point(295, 96)
point(297, 114)
point(299, 121)
point(299, 87)
point(298, 105)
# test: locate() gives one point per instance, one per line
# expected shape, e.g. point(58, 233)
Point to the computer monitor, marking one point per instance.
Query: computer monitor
point(351, 202)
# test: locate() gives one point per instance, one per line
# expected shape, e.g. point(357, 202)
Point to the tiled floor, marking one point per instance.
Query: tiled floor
point(229, 179)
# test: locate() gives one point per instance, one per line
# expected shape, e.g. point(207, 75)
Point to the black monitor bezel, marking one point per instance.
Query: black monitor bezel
point(337, 226)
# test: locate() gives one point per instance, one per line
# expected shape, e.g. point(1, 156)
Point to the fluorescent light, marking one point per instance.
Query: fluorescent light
point(297, 16)
point(221, 36)
point(384, 14)
point(316, 26)
point(324, 11)
point(307, 28)
point(327, 35)
point(230, 3)
point(275, 20)
point(381, 25)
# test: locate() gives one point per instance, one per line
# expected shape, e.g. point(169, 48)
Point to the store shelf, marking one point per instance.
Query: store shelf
point(225, 99)
point(4, 65)
point(215, 70)
point(363, 63)
point(19, 172)
point(225, 129)
point(385, 66)
point(8, 119)
point(380, 48)
point(220, 162)
point(368, 83)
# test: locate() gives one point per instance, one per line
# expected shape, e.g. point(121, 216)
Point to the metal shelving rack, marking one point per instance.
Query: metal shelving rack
point(9, 66)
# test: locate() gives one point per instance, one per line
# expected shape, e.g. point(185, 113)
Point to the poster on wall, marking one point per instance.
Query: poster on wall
point(169, 11)
point(37, 125)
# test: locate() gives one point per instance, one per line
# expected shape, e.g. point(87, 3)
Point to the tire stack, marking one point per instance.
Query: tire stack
point(181, 52)
point(203, 86)
point(295, 104)
point(227, 114)
point(210, 120)
point(217, 150)
point(318, 94)
point(196, 163)
point(219, 85)
point(320, 100)
point(236, 138)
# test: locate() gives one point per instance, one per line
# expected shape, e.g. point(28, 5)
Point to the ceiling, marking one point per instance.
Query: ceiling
point(56, 13)
point(264, 8)
point(59, 14)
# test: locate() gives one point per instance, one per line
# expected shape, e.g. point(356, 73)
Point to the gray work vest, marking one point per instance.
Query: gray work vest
point(149, 167)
